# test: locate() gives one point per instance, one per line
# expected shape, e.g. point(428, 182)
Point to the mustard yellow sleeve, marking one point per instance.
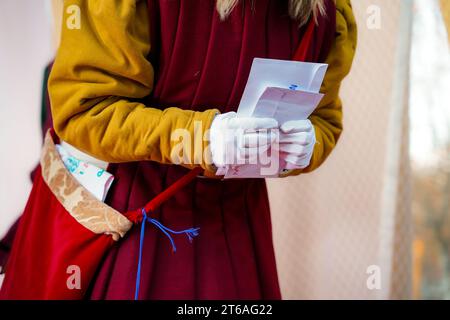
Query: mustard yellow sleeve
point(327, 118)
point(100, 72)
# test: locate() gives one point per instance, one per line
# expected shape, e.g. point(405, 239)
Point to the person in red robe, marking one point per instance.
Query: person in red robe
point(127, 74)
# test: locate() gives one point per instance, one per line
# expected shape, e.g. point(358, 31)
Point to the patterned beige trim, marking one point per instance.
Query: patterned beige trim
point(78, 201)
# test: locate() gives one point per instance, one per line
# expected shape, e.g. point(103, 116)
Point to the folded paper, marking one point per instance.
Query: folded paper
point(280, 89)
point(95, 179)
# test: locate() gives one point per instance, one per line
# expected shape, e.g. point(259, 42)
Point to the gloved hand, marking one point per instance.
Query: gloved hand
point(297, 140)
point(235, 138)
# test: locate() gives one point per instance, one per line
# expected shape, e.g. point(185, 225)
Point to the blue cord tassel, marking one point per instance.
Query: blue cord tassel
point(190, 233)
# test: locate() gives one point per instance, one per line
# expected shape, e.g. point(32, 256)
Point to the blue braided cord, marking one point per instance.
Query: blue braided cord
point(190, 233)
point(141, 246)
point(161, 227)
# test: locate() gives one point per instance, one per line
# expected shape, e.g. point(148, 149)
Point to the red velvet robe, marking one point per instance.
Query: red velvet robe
point(202, 62)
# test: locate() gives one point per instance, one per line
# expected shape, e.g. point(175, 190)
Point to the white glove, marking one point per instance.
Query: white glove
point(235, 138)
point(297, 140)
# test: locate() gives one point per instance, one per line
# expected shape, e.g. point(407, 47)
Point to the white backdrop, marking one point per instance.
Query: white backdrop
point(352, 215)
point(25, 49)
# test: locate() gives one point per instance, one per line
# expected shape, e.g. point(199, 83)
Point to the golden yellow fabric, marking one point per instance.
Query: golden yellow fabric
point(327, 118)
point(101, 68)
point(445, 9)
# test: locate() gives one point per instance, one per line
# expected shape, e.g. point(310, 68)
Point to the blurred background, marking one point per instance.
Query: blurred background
point(374, 221)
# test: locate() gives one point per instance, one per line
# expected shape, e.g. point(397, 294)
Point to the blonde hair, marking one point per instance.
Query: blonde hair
point(299, 10)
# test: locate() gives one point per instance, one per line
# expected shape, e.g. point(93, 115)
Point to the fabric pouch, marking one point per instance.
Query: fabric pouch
point(63, 234)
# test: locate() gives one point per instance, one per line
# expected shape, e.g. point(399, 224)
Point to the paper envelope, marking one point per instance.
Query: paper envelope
point(282, 74)
point(279, 89)
point(282, 105)
point(286, 104)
